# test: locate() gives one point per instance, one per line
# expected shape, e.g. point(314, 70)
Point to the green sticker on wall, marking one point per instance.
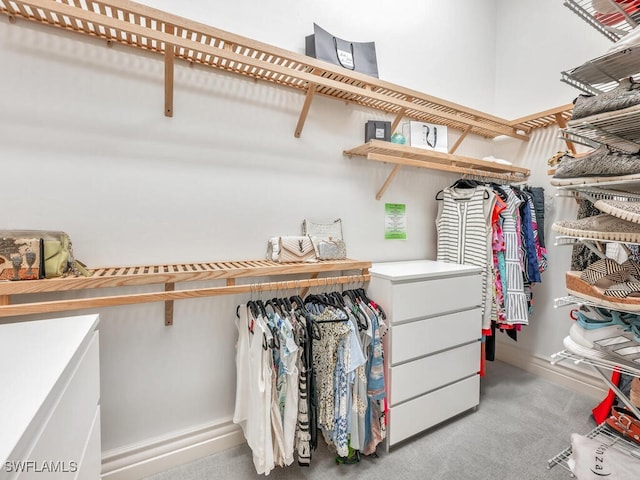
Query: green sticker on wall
point(395, 221)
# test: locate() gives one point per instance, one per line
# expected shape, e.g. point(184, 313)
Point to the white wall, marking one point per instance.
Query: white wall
point(535, 41)
point(86, 149)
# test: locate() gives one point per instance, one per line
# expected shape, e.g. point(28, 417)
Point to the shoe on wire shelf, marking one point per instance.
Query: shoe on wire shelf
point(625, 95)
point(612, 341)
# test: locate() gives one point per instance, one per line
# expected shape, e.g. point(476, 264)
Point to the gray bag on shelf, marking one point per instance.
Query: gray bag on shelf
point(356, 56)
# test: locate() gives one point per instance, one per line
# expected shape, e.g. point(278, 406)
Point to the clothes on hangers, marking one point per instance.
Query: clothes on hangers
point(308, 366)
point(496, 227)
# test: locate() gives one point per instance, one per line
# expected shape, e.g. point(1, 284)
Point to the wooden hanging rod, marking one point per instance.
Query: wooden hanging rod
point(169, 275)
point(171, 295)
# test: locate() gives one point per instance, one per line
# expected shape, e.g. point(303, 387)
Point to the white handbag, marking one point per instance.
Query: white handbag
point(329, 231)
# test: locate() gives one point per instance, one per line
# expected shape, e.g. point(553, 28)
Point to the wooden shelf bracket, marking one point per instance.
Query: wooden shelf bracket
point(169, 54)
point(168, 305)
point(305, 109)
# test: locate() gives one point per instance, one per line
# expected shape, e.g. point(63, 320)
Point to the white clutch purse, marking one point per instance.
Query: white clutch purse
point(330, 231)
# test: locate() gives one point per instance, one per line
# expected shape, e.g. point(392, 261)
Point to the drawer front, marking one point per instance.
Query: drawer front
point(424, 412)
point(415, 378)
point(65, 433)
point(434, 297)
point(422, 337)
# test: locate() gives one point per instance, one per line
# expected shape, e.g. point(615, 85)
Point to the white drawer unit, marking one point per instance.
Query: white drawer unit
point(432, 349)
point(49, 407)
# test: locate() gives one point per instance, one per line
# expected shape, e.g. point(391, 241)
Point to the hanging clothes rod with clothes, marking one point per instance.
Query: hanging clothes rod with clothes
point(169, 294)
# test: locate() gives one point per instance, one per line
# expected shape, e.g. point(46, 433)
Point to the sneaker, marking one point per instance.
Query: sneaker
point(613, 341)
point(587, 331)
point(604, 161)
point(625, 210)
point(626, 94)
point(628, 357)
point(600, 227)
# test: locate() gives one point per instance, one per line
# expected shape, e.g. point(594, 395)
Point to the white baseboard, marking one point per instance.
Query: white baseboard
point(141, 460)
point(578, 380)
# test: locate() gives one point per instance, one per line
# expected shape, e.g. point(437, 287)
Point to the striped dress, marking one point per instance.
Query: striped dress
point(515, 298)
point(464, 235)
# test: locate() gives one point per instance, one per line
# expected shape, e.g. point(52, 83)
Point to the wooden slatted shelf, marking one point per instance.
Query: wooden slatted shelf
point(399, 155)
point(554, 116)
point(139, 26)
point(169, 275)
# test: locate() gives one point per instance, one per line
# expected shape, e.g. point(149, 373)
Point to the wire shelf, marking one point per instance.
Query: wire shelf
point(628, 185)
point(613, 26)
point(569, 241)
point(566, 77)
point(619, 129)
point(575, 137)
point(579, 360)
point(602, 433)
point(593, 194)
point(603, 73)
point(569, 300)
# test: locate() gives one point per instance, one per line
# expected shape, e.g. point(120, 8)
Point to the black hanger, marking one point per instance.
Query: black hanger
point(275, 305)
point(351, 295)
point(324, 300)
point(499, 191)
point(463, 183)
point(253, 315)
point(297, 299)
point(261, 308)
point(367, 300)
point(253, 307)
point(338, 299)
point(287, 304)
point(360, 316)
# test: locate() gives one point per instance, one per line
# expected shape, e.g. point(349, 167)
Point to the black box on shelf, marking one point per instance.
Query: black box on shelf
point(377, 130)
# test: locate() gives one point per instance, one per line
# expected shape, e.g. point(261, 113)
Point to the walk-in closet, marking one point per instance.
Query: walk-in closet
point(331, 239)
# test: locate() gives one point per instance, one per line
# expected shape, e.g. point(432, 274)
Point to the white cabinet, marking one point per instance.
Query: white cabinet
point(49, 402)
point(432, 349)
